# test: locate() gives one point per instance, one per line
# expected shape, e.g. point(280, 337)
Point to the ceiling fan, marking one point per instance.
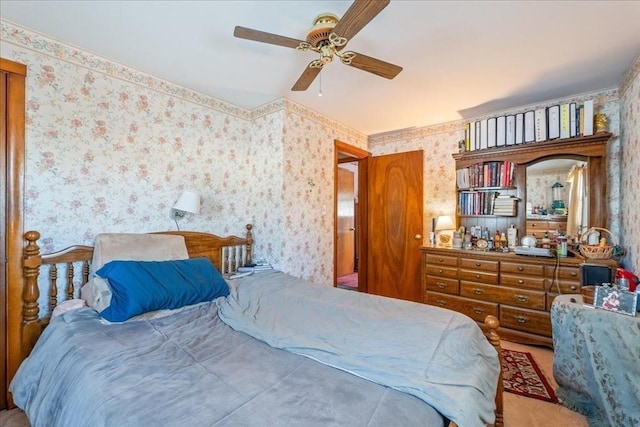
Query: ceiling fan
point(328, 37)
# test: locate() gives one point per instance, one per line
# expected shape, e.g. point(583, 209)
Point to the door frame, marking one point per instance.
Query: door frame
point(13, 221)
point(346, 153)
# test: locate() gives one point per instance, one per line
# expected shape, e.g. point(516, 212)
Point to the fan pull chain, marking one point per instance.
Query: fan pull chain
point(320, 91)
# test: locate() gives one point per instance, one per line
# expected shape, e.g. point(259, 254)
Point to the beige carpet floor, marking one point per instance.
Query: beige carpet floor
point(519, 411)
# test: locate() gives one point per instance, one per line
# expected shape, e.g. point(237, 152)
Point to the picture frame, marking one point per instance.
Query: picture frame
point(615, 299)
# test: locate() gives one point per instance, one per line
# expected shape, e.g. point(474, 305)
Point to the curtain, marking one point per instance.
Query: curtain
point(577, 220)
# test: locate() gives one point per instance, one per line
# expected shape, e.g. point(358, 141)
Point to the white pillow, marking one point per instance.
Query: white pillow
point(137, 247)
point(97, 293)
point(68, 305)
point(127, 247)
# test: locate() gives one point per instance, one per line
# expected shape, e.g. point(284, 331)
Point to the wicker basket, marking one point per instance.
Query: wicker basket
point(597, 251)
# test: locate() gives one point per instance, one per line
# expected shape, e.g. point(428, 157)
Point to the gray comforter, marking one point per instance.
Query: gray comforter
point(438, 355)
point(191, 369)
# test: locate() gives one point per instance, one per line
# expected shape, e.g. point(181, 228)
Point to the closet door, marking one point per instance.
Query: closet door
point(12, 115)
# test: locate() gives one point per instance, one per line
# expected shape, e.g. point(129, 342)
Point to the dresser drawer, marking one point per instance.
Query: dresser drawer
point(528, 282)
point(441, 284)
point(479, 264)
point(521, 319)
point(451, 273)
point(477, 310)
point(503, 295)
point(517, 268)
point(554, 225)
point(479, 276)
point(480, 291)
point(537, 225)
point(450, 261)
point(566, 286)
point(567, 273)
point(523, 298)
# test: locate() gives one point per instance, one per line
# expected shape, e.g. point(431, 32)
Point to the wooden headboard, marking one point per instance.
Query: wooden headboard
point(226, 253)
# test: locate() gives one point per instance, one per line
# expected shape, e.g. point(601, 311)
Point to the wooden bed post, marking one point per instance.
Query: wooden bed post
point(249, 243)
point(31, 262)
point(493, 323)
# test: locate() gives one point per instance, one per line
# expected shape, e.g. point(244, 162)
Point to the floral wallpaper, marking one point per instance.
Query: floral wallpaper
point(629, 167)
point(110, 149)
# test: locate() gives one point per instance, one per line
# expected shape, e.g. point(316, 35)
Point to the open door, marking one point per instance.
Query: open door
point(348, 153)
point(346, 242)
point(395, 212)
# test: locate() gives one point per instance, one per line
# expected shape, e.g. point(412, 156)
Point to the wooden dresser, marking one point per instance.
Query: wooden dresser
point(516, 289)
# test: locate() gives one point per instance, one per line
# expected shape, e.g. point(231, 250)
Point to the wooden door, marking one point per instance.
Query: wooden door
point(395, 212)
point(345, 262)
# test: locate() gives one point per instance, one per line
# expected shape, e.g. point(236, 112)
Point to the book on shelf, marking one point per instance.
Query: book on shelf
point(472, 136)
point(255, 268)
point(491, 132)
point(554, 122)
point(483, 134)
point(587, 130)
point(565, 121)
point(477, 135)
point(529, 126)
point(510, 124)
point(573, 120)
point(541, 124)
point(463, 178)
point(519, 134)
point(501, 131)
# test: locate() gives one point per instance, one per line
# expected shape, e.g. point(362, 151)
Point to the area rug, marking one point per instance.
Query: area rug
point(350, 280)
point(521, 375)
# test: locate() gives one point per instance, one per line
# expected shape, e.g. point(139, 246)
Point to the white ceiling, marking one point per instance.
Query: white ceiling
point(461, 59)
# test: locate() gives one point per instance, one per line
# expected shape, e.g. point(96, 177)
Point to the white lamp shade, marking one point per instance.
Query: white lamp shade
point(445, 222)
point(189, 201)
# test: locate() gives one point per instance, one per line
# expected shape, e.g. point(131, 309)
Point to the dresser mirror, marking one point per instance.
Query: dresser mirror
point(557, 191)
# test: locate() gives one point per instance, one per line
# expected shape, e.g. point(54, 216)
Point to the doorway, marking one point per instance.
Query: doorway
point(350, 230)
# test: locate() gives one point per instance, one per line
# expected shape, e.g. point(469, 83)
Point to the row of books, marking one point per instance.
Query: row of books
point(487, 174)
point(486, 203)
point(567, 120)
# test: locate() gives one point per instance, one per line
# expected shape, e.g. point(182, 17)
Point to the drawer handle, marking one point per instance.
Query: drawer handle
point(440, 260)
point(522, 298)
point(574, 288)
point(478, 276)
point(478, 264)
point(478, 291)
point(441, 285)
point(520, 268)
point(574, 274)
point(478, 310)
point(521, 319)
point(441, 271)
point(442, 302)
point(520, 281)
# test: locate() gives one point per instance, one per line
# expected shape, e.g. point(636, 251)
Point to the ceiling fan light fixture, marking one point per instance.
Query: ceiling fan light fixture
point(322, 28)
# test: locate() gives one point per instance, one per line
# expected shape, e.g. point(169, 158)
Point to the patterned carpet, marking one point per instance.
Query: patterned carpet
point(348, 281)
point(521, 375)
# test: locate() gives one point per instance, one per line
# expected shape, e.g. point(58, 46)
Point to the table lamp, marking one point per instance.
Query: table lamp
point(444, 230)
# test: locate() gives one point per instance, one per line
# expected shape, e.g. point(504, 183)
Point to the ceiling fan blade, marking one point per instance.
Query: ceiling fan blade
point(357, 16)
point(261, 36)
point(307, 77)
point(375, 66)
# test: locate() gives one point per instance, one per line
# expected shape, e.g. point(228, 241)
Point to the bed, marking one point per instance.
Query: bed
point(268, 349)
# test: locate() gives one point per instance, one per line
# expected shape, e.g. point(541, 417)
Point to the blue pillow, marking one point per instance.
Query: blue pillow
point(141, 286)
